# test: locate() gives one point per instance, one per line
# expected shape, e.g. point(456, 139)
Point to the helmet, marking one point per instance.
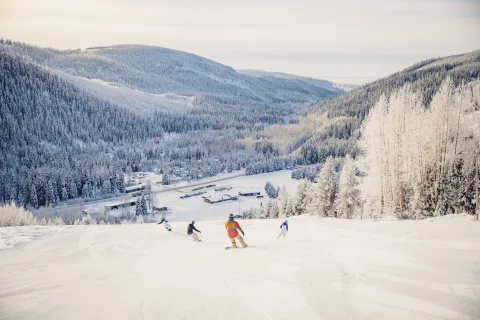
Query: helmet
point(230, 217)
point(193, 222)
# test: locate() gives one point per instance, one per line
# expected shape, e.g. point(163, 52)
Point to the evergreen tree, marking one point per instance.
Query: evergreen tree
point(270, 190)
point(64, 194)
point(260, 212)
point(121, 182)
point(21, 198)
point(85, 190)
point(138, 207)
point(33, 196)
point(73, 190)
point(144, 209)
point(299, 203)
point(50, 193)
point(348, 193)
point(327, 189)
point(283, 203)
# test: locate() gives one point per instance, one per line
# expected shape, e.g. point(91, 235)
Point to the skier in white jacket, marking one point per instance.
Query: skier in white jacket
point(284, 228)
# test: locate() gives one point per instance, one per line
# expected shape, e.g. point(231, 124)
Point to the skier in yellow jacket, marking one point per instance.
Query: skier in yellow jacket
point(232, 226)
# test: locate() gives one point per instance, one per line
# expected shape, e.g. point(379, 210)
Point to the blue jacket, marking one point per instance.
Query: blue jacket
point(161, 221)
point(285, 223)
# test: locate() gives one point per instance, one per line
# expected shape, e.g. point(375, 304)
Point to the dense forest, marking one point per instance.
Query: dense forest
point(61, 142)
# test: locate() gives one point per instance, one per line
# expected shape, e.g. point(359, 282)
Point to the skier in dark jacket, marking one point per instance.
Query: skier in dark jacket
point(190, 229)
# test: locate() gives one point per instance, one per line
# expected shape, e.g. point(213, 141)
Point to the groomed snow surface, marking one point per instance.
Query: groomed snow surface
point(323, 269)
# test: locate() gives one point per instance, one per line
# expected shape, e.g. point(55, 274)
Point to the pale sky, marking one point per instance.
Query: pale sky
point(349, 41)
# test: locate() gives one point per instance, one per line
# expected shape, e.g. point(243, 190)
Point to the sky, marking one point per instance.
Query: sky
point(346, 41)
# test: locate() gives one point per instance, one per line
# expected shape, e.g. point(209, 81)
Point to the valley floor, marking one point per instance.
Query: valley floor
point(324, 269)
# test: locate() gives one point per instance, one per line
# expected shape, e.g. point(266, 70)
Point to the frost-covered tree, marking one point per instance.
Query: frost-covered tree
point(326, 189)
point(270, 190)
point(284, 209)
point(260, 212)
point(73, 190)
point(33, 196)
point(348, 193)
point(50, 193)
point(64, 193)
point(138, 207)
point(271, 211)
point(413, 157)
point(144, 206)
point(299, 201)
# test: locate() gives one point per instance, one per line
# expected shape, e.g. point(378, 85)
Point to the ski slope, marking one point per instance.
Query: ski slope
point(324, 269)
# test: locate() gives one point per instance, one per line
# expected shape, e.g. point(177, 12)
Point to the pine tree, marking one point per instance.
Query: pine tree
point(283, 203)
point(144, 206)
point(138, 207)
point(299, 203)
point(20, 198)
point(64, 194)
point(326, 189)
point(85, 191)
point(50, 193)
point(270, 190)
point(121, 182)
point(260, 212)
point(348, 193)
point(106, 187)
point(33, 196)
point(73, 190)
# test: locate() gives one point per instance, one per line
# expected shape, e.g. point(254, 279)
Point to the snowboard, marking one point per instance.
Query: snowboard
point(228, 248)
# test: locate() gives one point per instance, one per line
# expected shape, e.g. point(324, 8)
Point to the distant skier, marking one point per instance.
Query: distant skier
point(190, 229)
point(165, 223)
point(284, 227)
point(232, 226)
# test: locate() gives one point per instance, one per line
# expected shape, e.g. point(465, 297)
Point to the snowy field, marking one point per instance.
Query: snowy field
point(17, 236)
point(324, 269)
point(195, 208)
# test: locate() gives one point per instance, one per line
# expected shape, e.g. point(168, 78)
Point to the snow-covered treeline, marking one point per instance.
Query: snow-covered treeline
point(415, 161)
point(418, 160)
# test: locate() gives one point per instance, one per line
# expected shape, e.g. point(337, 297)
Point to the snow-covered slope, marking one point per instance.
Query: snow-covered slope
point(159, 70)
point(120, 95)
point(324, 269)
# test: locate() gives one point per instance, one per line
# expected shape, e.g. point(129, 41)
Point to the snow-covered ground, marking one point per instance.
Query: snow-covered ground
point(324, 269)
point(195, 208)
point(14, 236)
point(135, 100)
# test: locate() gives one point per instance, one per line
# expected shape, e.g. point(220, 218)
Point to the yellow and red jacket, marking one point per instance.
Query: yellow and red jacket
point(232, 227)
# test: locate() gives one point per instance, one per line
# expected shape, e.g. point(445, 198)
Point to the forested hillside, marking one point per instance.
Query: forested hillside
point(160, 71)
point(332, 127)
point(59, 142)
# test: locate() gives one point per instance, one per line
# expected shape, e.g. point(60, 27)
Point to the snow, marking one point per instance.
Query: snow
point(135, 100)
point(195, 208)
point(13, 236)
point(323, 269)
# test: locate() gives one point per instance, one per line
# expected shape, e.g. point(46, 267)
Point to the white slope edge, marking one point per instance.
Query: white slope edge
point(324, 269)
point(135, 100)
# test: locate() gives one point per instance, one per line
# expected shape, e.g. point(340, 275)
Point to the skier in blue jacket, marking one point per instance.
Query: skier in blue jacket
point(284, 228)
